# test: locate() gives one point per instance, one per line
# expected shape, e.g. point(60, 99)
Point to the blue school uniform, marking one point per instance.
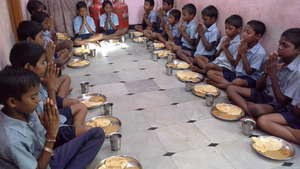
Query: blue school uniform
point(191, 30)
point(115, 22)
point(23, 142)
point(165, 19)
point(222, 60)
point(77, 22)
point(256, 56)
point(212, 35)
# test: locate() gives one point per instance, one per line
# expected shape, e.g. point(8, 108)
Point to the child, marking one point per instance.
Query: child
point(26, 142)
point(34, 6)
point(279, 84)
point(31, 56)
point(32, 32)
point(149, 19)
point(208, 35)
point(188, 30)
point(109, 22)
point(171, 30)
point(225, 61)
point(84, 26)
point(249, 58)
point(63, 49)
point(164, 13)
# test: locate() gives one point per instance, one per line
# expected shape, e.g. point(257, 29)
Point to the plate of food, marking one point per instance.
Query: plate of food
point(162, 53)
point(178, 65)
point(228, 112)
point(93, 100)
point(159, 45)
point(138, 34)
point(81, 51)
point(62, 36)
point(203, 90)
point(78, 63)
point(189, 76)
point(109, 124)
point(139, 39)
point(119, 162)
point(273, 147)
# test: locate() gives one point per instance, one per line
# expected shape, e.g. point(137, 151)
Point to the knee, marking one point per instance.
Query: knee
point(82, 108)
point(263, 121)
point(98, 133)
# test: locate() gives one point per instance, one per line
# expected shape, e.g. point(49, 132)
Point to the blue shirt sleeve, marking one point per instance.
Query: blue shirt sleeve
point(91, 23)
point(152, 17)
point(115, 19)
point(102, 20)
point(21, 157)
point(77, 24)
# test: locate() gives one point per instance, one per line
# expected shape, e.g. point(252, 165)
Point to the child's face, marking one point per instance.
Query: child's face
point(231, 31)
point(172, 20)
point(108, 8)
point(286, 49)
point(82, 12)
point(28, 102)
point(249, 34)
point(38, 39)
point(208, 21)
point(40, 67)
point(47, 24)
point(148, 7)
point(186, 16)
point(166, 6)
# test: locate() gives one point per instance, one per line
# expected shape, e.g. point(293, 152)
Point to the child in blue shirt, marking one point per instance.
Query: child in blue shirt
point(163, 14)
point(225, 61)
point(171, 29)
point(278, 86)
point(208, 36)
point(109, 22)
point(149, 19)
point(28, 142)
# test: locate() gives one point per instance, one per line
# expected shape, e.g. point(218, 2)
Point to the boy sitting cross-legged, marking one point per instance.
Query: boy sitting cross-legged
point(27, 142)
point(31, 56)
point(279, 84)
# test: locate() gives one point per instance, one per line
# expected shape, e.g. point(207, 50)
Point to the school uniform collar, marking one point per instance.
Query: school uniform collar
point(190, 23)
point(236, 39)
point(295, 64)
point(212, 27)
point(17, 124)
point(255, 48)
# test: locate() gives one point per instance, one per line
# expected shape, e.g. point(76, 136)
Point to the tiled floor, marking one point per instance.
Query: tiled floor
point(163, 126)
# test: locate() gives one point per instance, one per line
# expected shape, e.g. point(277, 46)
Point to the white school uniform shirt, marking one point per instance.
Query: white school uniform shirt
point(191, 30)
point(114, 19)
point(222, 60)
point(175, 30)
point(165, 18)
point(289, 81)
point(256, 56)
point(212, 35)
point(77, 22)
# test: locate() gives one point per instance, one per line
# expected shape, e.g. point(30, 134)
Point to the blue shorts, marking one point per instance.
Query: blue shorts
point(65, 134)
point(84, 36)
point(188, 49)
point(59, 102)
point(292, 119)
point(67, 112)
point(260, 97)
point(108, 32)
point(230, 76)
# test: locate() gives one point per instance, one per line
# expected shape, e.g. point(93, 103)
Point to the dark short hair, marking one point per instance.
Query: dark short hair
point(34, 6)
point(169, 2)
point(25, 52)
point(210, 11)
point(190, 8)
point(15, 82)
point(106, 2)
point(39, 17)
point(81, 4)
point(293, 36)
point(151, 2)
point(176, 13)
point(28, 29)
point(258, 27)
point(235, 20)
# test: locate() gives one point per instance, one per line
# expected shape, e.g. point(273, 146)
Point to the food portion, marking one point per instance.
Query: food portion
point(78, 63)
point(162, 53)
point(158, 45)
point(61, 36)
point(138, 34)
point(264, 144)
point(139, 39)
point(94, 101)
point(188, 76)
point(178, 65)
point(206, 89)
point(101, 122)
point(108, 124)
point(115, 163)
point(229, 109)
point(81, 51)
